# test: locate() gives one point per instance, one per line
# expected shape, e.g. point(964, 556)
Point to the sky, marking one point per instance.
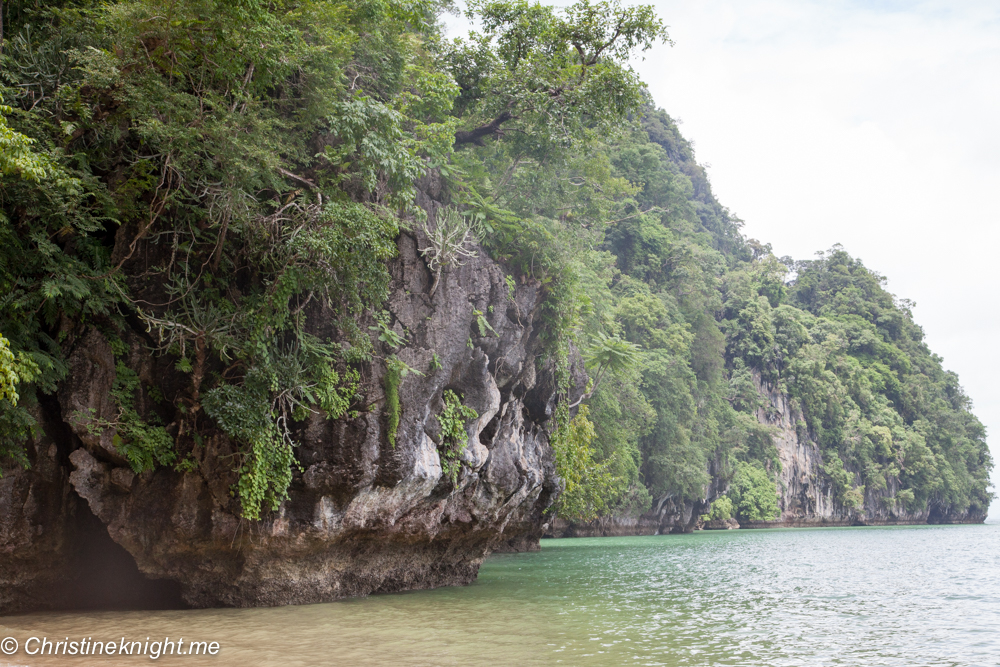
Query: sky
point(875, 125)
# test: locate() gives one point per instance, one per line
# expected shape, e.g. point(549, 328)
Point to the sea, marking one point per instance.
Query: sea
point(864, 596)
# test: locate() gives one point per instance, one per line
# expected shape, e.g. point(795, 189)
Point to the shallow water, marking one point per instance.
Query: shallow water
point(922, 595)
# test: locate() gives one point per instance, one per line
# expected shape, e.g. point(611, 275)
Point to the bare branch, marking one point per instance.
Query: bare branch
point(477, 135)
point(306, 181)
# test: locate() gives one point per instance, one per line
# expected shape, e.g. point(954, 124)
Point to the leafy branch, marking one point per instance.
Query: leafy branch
point(608, 353)
point(449, 240)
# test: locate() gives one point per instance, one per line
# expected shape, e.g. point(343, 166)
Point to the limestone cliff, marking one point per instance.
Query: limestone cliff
point(363, 515)
point(805, 495)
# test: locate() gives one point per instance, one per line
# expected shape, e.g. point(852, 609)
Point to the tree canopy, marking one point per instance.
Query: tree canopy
point(546, 75)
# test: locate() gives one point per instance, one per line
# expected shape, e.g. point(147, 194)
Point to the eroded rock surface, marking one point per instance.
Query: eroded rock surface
point(667, 515)
point(363, 516)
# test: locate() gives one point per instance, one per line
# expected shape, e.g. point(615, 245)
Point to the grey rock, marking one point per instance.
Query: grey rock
point(363, 516)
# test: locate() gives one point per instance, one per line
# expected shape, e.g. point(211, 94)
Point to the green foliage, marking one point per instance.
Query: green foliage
point(622, 417)
point(396, 370)
point(906, 498)
point(611, 353)
point(16, 157)
point(8, 373)
point(385, 333)
point(874, 397)
point(454, 437)
point(16, 426)
point(483, 323)
point(847, 352)
point(393, 410)
point(245, 413)
point(187, 464)
point(743, 393)
point(16, 423)
point(284, 386)
point(721, 510)
point(144, 445)
point(842, 481)
point(590, 486)
point(372, 148)
point(753, 494)
point(220, 143)
point(549, 75)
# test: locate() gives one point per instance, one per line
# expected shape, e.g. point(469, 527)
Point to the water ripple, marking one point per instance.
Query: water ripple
point(922, 595)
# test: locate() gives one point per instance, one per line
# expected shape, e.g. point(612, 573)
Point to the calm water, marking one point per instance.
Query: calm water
point(926, 595)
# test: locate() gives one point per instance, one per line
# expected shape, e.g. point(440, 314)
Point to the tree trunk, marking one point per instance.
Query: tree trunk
point(477, 135)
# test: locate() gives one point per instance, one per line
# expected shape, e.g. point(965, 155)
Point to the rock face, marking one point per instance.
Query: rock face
point(363, 516)
point(667, 515)
point(37, 511)
point(805, 496)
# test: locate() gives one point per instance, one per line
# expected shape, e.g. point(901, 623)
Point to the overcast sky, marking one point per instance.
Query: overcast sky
point(871, 124)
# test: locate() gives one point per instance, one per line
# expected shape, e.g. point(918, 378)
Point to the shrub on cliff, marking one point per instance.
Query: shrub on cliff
point(590, 485)
point(754, 494)
point(720, 510)
point(188, 170)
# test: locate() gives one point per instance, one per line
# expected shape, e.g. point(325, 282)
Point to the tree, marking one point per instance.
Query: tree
point(754, 494)
point(591, 486)
point(16, 157)
point(608, 353)
point(540, 73)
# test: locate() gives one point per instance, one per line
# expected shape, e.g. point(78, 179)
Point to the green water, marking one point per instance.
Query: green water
point(925, 595)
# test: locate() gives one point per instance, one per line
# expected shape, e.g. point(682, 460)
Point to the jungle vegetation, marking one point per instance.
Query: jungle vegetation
point(203, 170)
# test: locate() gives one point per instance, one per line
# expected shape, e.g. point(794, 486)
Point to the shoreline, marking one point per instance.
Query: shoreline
point(617, 527)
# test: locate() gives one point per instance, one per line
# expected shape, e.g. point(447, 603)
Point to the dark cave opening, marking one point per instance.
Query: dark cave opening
point(105, 576)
